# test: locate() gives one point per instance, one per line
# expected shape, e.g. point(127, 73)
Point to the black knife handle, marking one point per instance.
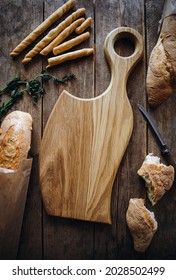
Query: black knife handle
point(166, 153)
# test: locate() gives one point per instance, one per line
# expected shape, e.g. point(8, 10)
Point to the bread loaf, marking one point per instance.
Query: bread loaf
point(161, 74)
point(158, 177)
point(15, 139)
point(141, 223)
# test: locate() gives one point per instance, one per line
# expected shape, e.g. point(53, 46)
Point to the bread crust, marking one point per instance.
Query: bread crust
point(141, 223)
point(161, 74)
point(159, 179)
point(15, 139)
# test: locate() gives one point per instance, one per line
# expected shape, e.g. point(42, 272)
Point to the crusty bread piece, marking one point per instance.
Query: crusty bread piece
point(15, 139)
point(161, 81)
point(141, 223)
point(158, 177)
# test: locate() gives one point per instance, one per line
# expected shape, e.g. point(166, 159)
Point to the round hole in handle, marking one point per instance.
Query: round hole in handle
point(124, 44)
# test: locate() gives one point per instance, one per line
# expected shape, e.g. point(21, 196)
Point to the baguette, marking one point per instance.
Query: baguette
point(80, 29)
point(142, 224)
point(15, 139)
point(42, 27)
point(62, 36)
point(52, 35)
point(158, 177)
point(68, 56)
point(71, 43)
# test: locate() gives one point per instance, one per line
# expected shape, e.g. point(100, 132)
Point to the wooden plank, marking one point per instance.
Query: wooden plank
point(14, 27)
point(71, 239)
point(165, 118)
point(66, 238)
point(114, 242)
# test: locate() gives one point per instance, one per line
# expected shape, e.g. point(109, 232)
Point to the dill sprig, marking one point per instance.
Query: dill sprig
point(16, 89)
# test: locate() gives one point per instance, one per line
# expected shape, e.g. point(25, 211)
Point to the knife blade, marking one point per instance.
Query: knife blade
point(163, 147)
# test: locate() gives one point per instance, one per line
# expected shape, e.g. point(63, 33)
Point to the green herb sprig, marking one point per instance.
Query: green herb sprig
point(16, 89)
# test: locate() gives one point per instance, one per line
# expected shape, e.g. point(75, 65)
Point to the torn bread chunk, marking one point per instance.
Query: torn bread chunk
point(158, 177)
point(142, 224)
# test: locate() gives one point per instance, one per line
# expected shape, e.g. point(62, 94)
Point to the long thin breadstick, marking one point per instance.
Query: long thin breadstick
point(68, 56)
point(80, 29)
point(71, 43)
point(53, 34)
point(62, 36)
point(42, 27)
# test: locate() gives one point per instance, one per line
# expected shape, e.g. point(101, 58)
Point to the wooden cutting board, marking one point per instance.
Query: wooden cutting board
point(85, 139)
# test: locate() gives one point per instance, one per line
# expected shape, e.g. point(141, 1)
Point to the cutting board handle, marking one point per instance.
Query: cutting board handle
point(118, 63)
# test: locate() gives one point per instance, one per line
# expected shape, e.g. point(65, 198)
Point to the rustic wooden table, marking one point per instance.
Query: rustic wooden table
point(46, 237)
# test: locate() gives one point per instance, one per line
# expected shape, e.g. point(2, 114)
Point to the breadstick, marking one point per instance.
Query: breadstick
point(42, 27)
point(62, 36)
point(80, 29)
point(71, 43)
point(52, 35)
point(68, 56)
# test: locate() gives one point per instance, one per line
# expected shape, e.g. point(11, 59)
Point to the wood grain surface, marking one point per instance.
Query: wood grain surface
point(47, 237)
point(88, 138)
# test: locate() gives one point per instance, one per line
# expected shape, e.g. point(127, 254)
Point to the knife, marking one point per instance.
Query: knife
point(163, 147)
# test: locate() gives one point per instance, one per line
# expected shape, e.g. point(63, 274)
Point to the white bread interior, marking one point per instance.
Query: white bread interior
point(158, 177)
